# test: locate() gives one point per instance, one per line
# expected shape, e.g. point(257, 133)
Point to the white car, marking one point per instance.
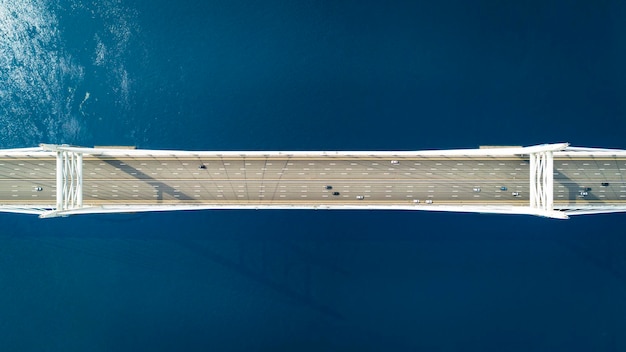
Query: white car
point(360, 197)
point(395, 162)
point(515, 194)
point(476, 189)
point(428, 201)
point(416, 201)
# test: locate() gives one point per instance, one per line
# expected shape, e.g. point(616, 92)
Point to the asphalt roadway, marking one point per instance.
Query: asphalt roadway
point(311, 181)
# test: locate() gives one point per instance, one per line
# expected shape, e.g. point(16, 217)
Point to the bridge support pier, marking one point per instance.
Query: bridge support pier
point(542, 181)
point(69, 180)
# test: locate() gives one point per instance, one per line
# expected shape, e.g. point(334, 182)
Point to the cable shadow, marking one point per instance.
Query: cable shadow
point(162, 188)
point(574, 189)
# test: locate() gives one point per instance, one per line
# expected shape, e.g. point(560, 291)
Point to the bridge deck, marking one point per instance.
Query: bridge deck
point(276, 180)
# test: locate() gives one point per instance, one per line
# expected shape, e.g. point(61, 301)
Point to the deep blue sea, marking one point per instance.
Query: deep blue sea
point(321, 75)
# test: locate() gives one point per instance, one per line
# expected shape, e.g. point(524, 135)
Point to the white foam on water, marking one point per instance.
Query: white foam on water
point(100, 52)
point(80, 106)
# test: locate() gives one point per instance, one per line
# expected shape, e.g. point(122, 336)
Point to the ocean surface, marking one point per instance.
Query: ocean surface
point(321, 75)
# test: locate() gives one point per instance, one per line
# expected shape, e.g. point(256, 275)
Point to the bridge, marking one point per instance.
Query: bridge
point(550, 180)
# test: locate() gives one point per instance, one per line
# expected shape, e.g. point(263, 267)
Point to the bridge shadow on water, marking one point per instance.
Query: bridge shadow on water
point(298, 258)
point(289, 268)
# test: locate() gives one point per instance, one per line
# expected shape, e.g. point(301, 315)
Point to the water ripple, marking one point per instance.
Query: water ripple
point(35, 72)
point(46, 73)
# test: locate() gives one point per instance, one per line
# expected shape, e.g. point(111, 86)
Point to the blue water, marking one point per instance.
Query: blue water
point(322, 75)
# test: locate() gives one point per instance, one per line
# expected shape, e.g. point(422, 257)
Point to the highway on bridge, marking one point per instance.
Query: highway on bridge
point(314, 180)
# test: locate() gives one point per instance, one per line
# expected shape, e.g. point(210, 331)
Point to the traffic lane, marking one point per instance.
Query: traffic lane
point(150, 169)
point(27, 190)
point(28, 168)
point(192, 190)
point(601, 178)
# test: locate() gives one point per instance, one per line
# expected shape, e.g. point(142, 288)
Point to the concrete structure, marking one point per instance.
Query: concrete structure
point(551, 180)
